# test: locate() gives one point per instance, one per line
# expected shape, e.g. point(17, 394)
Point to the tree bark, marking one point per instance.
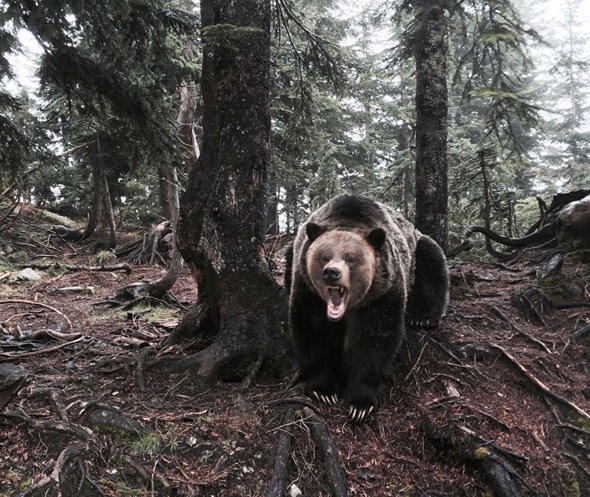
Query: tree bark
point(431, 119)
point(223, 210)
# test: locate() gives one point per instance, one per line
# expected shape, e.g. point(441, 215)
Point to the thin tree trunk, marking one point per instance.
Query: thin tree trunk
point(159, 287)
point(107, 209)
point(272, 211)
point(169, 183)
point(223, 211)
point(98, 182)
point(169, 189)
point(102, 207)
point(431, 119)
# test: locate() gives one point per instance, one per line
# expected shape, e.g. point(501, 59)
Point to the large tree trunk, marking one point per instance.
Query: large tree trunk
point(223, 211)
point(431, 119)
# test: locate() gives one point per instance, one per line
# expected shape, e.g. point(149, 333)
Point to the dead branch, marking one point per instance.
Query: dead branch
point(542, 235)
point(519, 330)
point(540, 385)
point(39, 304)
point(9, 356)
point(150, 249)
point(75, 267)
point(5, 220)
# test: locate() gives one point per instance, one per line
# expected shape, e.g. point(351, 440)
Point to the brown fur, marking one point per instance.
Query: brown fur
point(349, 253)
point(357, 272)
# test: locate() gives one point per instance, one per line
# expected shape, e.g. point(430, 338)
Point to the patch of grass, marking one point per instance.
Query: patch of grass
point(147, 444)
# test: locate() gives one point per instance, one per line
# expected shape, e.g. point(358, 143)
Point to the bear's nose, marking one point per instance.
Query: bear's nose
point(332, 274)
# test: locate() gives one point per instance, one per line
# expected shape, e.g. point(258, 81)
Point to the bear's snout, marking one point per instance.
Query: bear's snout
point(332, 274)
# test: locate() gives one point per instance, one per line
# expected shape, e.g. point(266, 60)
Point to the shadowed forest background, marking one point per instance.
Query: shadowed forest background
point(156, 157)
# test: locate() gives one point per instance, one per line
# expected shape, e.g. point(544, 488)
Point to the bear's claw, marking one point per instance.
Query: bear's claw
point(422, 323)
point(358, 415)
point(330, 400)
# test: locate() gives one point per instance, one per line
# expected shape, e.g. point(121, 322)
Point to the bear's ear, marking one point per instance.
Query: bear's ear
point(376, 238)
point(313, 231)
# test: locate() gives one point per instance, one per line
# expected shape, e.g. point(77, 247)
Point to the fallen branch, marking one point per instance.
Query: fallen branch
point(39, 304)
point(520, 330)
point(75, 267)
point(9, 356)
point(540, 385)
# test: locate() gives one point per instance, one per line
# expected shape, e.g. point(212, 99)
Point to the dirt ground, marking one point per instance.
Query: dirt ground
point(501, 388)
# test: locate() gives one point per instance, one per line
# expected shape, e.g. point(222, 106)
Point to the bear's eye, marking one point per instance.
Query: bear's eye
point(325, 259)
point(351, 259)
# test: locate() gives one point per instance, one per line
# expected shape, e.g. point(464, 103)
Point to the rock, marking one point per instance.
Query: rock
point(26, 274)
point(12, 379)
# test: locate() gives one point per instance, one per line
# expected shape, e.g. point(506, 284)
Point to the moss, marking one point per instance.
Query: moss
point(583, 423)
point(570, 486)
point(482, 453)
point(557, 287)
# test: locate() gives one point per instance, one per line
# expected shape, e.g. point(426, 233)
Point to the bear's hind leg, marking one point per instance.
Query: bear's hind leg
point(428, 297)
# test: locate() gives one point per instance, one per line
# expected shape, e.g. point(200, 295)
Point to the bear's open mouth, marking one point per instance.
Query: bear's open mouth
point(336, 297)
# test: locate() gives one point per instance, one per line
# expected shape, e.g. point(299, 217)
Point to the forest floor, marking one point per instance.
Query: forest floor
point(497, 398)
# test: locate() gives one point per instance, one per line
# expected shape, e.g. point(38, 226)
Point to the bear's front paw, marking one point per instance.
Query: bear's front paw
point(361, 405)
point(322, 391)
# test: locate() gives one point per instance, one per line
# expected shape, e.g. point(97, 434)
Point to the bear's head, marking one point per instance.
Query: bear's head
point(341, 265)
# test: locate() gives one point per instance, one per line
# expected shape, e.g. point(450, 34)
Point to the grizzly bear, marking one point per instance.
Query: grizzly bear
point(357, 272)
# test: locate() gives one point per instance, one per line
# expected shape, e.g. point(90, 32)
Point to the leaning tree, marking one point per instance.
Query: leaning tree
point(223, 210)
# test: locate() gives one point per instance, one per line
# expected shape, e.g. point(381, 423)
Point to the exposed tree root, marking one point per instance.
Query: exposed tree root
point(280, 473)
point(222, 357)
point(335, 475)
point(68, 478)
point(541, 386)
point(198, 317)
point(462, 444)
point(151, 249)
point(556, 226)
point(334, 471)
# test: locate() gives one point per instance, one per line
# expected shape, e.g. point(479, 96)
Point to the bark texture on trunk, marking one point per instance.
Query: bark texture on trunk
point(223, 211)
point(431, 119)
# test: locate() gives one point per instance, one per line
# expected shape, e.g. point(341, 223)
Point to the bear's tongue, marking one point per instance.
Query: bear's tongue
point(336, 306)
